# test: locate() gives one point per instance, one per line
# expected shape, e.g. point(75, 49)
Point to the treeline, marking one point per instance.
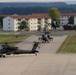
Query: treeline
point(32, 4)
point(23, 10)
point(29, 8)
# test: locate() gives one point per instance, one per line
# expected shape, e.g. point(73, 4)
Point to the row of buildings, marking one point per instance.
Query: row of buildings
point(11, 22)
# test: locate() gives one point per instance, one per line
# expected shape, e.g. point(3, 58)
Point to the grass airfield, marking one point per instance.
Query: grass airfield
point(12, 39)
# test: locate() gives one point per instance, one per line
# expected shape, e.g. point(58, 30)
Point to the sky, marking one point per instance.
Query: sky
point(70, 1)
point(34, 0)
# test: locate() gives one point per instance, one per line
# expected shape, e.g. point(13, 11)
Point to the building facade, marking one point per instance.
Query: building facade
point(75, 20)
point(64, 18)
point(11, 23)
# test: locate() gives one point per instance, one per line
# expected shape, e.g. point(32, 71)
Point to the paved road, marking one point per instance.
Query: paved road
point(52, 47)
point(45, 48)
point(44, 64)
point(54, 33)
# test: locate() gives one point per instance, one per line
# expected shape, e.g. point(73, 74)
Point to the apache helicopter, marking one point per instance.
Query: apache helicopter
point(5, 49)
point(54, 24)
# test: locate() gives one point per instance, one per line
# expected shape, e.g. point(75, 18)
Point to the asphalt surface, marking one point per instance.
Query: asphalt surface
point(47, 62)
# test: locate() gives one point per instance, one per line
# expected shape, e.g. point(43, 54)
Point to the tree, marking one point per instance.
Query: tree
point(54, 14)
point(39, 28)
point(71, 20)
point(23, 25)
point(46, 28)
point(1, 21)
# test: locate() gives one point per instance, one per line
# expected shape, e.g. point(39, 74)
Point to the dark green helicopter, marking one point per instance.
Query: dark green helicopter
point(5, 49)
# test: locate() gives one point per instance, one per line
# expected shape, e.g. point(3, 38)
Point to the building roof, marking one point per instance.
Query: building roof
point(3, 15)
point(20, 16)
point(40, 15)
point(68, 14)
point(36, 15)
point(29, 16)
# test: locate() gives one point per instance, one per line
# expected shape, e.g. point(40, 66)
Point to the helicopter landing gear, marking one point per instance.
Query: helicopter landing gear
point(2, 56)
point(36, 54)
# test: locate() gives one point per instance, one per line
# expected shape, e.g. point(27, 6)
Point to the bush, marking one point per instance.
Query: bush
point(68, 27)
point(74, 27)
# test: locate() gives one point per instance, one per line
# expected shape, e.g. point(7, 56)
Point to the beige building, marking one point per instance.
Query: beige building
point(11, 23)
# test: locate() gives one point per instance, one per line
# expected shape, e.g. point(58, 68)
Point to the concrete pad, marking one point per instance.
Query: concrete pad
point(45, 63)
point(27, 43)
point(53, 46)
point(45, 48)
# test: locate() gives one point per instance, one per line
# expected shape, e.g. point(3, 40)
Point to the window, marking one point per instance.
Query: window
point(19, 19)
point(16, 27)
point(62, 16)
point(62, 23)
point(34, 26)
point(9, 23)
point(9, 27)
point(34, 23)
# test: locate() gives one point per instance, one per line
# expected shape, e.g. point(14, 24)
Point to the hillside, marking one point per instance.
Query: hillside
point(29, 8)
point(31, 4)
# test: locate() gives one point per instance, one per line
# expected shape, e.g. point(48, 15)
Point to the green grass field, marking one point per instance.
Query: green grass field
point(68, 46)
point(11, 38)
